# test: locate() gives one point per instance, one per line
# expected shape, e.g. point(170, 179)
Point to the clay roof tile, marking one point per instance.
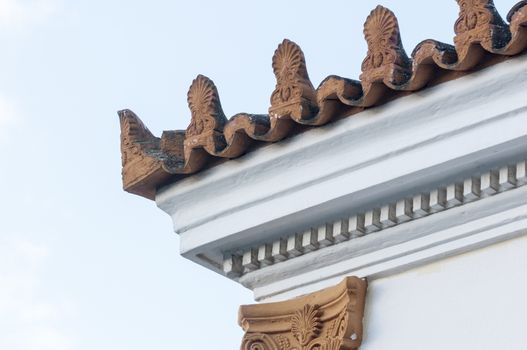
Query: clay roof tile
point(481, 35)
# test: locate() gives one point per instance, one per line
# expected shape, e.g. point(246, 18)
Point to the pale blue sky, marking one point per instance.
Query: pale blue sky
point(84, 265)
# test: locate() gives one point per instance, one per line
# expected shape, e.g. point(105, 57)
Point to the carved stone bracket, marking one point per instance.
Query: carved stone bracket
point(330, 319)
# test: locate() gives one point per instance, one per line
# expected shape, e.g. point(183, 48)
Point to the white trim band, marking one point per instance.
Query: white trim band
point(377, 219)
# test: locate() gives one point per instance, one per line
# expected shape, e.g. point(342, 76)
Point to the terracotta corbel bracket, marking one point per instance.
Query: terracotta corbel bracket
point(330, 319)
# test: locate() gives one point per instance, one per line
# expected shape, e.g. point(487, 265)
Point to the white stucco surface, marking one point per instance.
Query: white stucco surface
point(426, 290)
point(476, 300)
point(415, 143)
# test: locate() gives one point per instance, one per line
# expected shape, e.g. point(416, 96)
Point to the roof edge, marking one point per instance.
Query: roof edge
point(387, 72)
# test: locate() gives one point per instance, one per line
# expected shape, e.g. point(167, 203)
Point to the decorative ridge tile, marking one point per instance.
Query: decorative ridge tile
point(150, 162)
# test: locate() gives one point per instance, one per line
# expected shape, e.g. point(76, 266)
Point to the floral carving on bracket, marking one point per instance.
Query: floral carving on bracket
point(305, 324)
point(330, 319)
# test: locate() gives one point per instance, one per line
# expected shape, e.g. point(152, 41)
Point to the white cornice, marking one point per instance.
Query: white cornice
point(416, 143)
point(464, 228)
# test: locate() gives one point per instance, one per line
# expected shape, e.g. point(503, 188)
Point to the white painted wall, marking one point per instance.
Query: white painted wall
point(477, 300)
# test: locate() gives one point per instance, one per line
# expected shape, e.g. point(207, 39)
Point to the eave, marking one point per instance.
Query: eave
point(423, 142)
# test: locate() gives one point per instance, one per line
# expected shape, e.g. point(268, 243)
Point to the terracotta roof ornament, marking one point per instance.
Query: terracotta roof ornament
point(482, 38)
point(294, 96)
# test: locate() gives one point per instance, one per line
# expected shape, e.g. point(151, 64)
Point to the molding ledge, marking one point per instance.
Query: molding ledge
point(358, 225)
point(416, 243)
point(416, 144)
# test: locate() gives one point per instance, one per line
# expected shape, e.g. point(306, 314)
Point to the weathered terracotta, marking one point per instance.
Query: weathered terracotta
point(294, 96)
point(482, 37)
point(330, 319)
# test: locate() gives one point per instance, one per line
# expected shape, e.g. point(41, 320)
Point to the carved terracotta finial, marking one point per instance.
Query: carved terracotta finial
point(479, 22)
point(205, 130)
point(330, 319)
point(140, 154)
point(133, 132)
point(294, 95)
point(385, 49)
point(205, 107)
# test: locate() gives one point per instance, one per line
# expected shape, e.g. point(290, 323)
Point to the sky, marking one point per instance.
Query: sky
point(83, 264)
